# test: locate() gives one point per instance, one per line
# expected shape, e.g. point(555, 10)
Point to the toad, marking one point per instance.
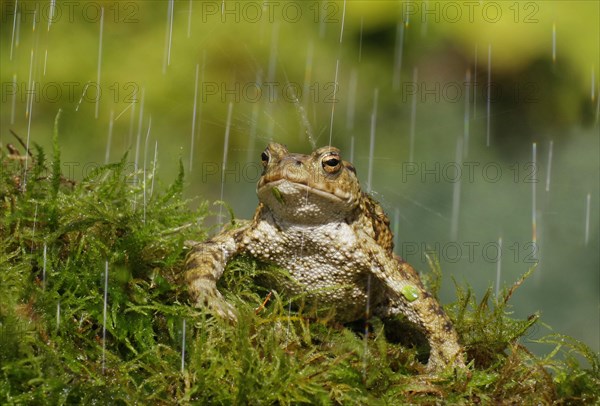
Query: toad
point(314, 221)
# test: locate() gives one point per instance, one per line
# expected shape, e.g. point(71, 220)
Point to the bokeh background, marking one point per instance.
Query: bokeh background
point(475, 124)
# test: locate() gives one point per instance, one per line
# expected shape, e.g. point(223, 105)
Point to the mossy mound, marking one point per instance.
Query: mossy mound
point(61, 342)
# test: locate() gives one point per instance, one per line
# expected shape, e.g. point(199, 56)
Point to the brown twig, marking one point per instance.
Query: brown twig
point(262, 306)
point(517, 284)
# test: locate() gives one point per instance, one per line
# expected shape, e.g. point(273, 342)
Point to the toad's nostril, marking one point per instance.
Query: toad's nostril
point(291, 159)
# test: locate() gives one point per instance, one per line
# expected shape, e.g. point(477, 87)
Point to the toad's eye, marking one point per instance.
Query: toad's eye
point(331, 163)
point(265, 157)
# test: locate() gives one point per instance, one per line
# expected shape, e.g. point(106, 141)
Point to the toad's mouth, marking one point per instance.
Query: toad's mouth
point(281, 186)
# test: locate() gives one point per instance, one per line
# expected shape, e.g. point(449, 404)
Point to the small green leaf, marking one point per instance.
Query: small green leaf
point(278, 195)
point(410, 292)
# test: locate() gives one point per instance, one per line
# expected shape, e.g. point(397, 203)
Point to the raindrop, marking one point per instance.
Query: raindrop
point(406, 14)
point(304, 119)
point(593, 87)
point(366, 336)
point(30, 85)
point(372, 139)
point(413, 118)
point(360, 40)
point(154, 161)
point(302, 108)
point(44, 256)
point(351, 107)
point(131, 118)
point(489, 95)
point(322, 25)
point(273, 53)
point(396, 226)
point(130, 105)
point(499, 267)
point(536, 247)
point(183, 339)
point(467, 117)
point(139, 135)
point(104, 316)
point(13, 108)
point(456, 191)
point(554, 43)
point(254, 120)
point(29, 114)
point(425, 21)
point(335, 86)
point(225, 151)
point(58, 316)
point(475, 82)
point(398, 51)
point(194, 115)
point(533, 194)
point(287, 332)
point(189, 28)
point(18, 33)
point(597, 110)
point(14, 30)
point(34, 222)
point(308, 68)
point(144, 181)
point(335, 81)
point(343, 20)
point(83, 92)
point(168, 37)
point(51, 15)
point(587, 218)
point(271, 77)
point(45, 61)
point(32, 73)
point(99, 61)
point(109, 138)
point(549, 171)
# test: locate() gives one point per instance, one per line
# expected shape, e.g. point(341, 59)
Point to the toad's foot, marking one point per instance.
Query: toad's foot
point(448, 353)
point(205, 265)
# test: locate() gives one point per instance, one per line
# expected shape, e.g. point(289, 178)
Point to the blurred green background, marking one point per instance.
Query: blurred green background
point(457, 93)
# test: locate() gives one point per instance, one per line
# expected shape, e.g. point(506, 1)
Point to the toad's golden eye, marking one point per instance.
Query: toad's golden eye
point(331, 163)
point(265, 157)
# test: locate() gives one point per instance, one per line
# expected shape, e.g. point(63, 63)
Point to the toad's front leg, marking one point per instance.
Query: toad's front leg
point(205, 264)
point(409, 297)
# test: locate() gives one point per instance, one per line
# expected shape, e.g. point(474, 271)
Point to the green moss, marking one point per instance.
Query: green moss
point(58, 236)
